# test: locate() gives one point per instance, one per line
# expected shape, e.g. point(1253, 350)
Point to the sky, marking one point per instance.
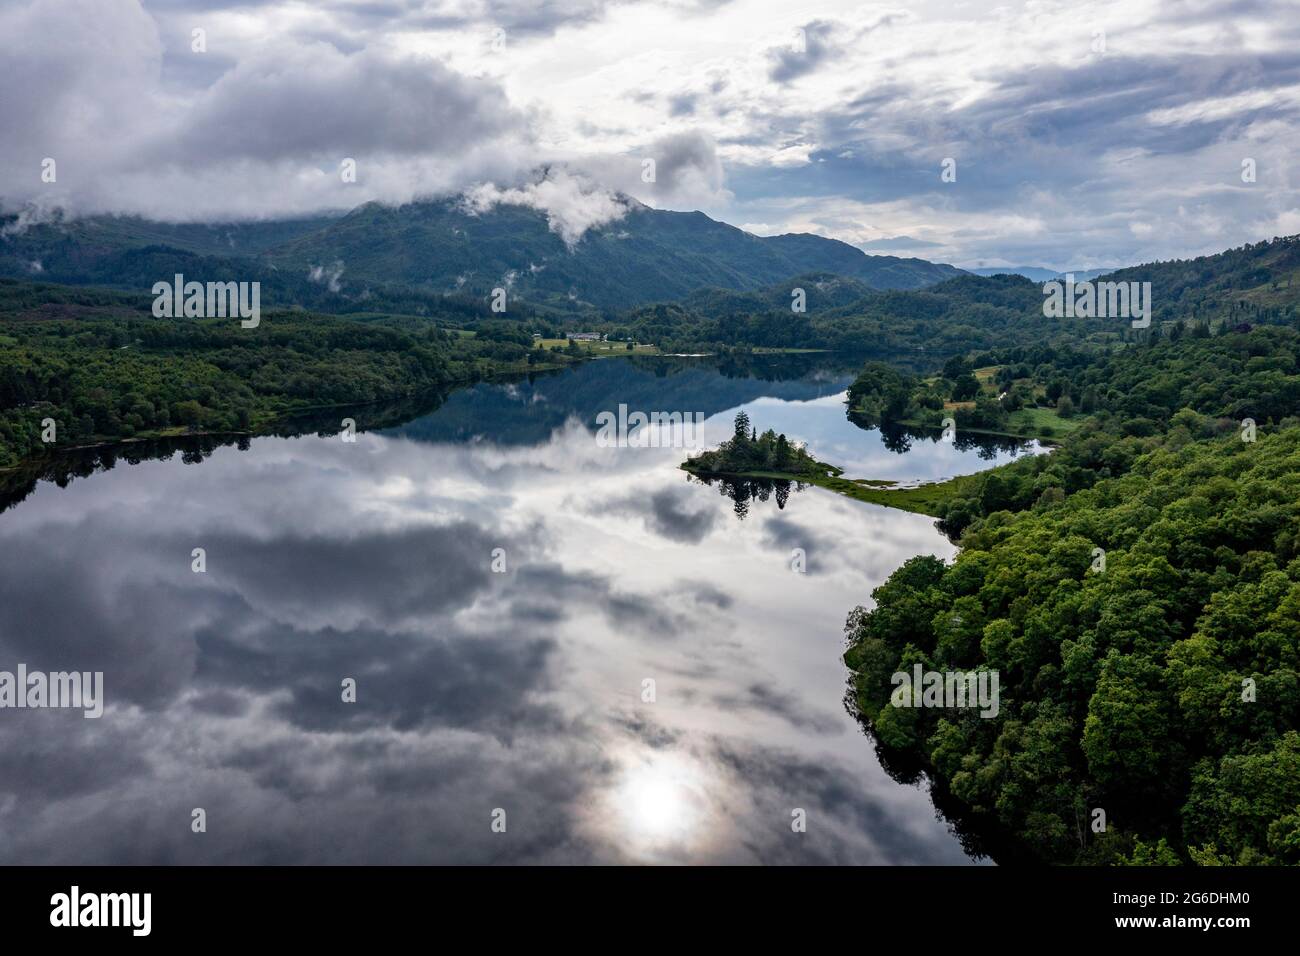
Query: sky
point(1060, 134)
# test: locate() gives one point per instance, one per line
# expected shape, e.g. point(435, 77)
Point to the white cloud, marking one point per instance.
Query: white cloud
point(1060, 149)
point(572, 205)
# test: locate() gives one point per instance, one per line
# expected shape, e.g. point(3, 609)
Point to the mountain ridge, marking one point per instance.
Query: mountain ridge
point(441, 247)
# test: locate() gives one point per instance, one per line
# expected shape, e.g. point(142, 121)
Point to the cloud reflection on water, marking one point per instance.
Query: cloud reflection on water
point(476, 690)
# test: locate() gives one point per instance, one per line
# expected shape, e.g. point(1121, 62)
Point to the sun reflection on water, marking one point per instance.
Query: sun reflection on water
point(659, 804)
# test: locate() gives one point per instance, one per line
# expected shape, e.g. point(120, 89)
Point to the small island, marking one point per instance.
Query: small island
point(748, 454)
point(748, 458)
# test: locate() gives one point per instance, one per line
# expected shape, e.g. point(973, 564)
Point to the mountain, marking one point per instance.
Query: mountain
point(821, 291)
point(440, 247)
point(1256, 282)
point(1253, 284)
point(1041, 275)
point(647, 255)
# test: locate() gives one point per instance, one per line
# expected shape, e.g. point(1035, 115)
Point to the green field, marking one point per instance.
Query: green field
point(1043, 422)
point(602, 348)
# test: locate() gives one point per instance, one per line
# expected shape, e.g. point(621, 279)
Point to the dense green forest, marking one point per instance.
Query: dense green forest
point(1138, 591)
point(961, 313)
point(1251, 284)
point(1123, 404)
point(103, 368)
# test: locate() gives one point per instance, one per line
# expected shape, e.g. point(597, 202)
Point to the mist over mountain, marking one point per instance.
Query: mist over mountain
point(633, 255)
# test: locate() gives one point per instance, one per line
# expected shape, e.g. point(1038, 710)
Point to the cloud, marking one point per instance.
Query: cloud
point(83, 85)
point(328, 275)
point(313, 103)
point(810, 46)
point(686, 164)
point(844, 137)
point(476, 689)
point(899, 242)
point(572, 203)
point(667, 512)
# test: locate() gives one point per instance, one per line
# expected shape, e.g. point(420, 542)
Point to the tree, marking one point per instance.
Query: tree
point(965, 388)
point(955, 367)
point(741, 436)
point(782, 456)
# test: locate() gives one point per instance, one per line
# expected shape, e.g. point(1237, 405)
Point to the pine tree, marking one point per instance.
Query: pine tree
point(742, 428)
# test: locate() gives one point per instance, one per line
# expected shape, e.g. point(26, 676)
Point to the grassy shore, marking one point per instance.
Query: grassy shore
point(602, 348)
point(920, 499)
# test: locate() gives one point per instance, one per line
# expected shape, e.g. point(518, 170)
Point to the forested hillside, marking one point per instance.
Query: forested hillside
point(406, 258)
point(103, 368)
point(1138, 592)
point(968, 312)
point(1251, 283)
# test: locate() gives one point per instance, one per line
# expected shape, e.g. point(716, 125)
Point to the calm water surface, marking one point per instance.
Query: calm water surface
point(521, 690)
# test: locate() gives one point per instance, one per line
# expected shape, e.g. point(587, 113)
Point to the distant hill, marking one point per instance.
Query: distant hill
point(1255, 282)
point(1041, 275)
point(821, 291)
point(439, 247)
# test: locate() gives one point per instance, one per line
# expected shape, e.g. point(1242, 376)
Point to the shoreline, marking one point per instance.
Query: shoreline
point(266, 427)
point(923, 499)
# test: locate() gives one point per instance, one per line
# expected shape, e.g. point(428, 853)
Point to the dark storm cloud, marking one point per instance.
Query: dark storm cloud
point(328, 104)
point(553, 589)
point(648, 731)
point(764, 698)
point(372, 576)
point(324, 599)
point(838, 806)
point(671, 517)
point(138, 631)
point(812, 47)
point(787, 534)
point(676, 513)
point(479, 682)
point(445, 716)
point(54, 755)
point(139, 122)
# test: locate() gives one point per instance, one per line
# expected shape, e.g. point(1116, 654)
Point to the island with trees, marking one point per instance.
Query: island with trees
point(747, 463)
point(747, 454)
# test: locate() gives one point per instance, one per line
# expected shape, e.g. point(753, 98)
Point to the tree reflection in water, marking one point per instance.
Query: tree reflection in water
point(744, 490)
